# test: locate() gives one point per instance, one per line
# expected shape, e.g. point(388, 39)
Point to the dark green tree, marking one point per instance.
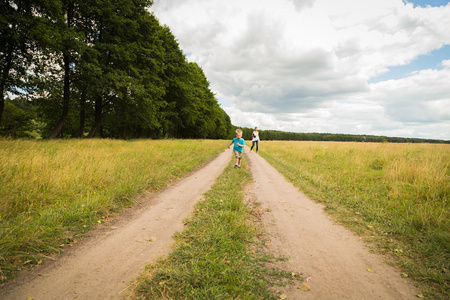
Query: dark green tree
point(25, 29)
point(129, 88)
point(69, 47)
point(16, 121)
point(104, 67)
point(174, 76)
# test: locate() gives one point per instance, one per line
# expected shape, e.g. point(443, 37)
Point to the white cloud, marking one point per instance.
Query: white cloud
point(423, 97)
point(303, 65)
point(302, 4)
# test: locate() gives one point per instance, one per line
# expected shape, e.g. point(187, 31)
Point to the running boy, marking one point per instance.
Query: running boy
point(238, 148)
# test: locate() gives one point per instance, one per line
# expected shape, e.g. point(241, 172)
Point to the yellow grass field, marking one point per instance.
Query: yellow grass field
point(395, 195)
point(49, 188)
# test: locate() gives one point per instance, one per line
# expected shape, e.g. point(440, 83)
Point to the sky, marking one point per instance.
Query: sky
point(330, 66)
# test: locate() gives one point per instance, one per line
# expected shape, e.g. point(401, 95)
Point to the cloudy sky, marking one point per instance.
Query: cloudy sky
point(336, 66)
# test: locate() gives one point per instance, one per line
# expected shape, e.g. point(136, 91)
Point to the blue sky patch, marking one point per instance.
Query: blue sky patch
point(431, 60)
point(223, 102)
point(424, 3)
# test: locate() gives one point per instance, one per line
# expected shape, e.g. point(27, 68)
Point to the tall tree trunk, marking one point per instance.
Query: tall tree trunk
point(152, 133)
point(4, 79)
point(82, 113)
point(124, 132)
point(137, 134)
point(98, 117)
point(120, 132)
point(66, 97)
point(2, 104)
point(66, 100)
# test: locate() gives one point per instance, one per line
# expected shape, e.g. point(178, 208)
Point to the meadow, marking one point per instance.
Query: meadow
point(393, 195)
point(53, 191)
point(396, 196)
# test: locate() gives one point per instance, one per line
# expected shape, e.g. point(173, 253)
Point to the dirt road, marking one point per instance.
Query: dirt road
point(102, 266)
point(333, 260)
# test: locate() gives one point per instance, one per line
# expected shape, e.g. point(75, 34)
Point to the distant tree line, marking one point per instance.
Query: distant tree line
point(272, 135)
point(99, 68)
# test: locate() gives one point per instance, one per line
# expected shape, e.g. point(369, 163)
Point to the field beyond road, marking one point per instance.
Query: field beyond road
point(396, 196)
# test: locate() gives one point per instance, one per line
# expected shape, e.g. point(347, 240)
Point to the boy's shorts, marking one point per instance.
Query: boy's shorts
point(237, 154)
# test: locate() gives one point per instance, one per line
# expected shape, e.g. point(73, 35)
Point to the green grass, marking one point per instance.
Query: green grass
point(394, 195)
point(50, 190)
point(216, 256)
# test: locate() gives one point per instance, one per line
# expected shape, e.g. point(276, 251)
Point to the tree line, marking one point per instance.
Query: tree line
point(335, 137)
point(99, 68)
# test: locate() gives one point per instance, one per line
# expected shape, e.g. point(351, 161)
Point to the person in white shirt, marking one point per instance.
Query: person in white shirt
point(255, 139)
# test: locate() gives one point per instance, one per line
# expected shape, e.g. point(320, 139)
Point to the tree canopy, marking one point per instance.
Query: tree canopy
point(101, 68)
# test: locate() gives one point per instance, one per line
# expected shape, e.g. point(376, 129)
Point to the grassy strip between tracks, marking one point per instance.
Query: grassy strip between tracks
point(52, 191)
point(394, 195)
point(217, 255)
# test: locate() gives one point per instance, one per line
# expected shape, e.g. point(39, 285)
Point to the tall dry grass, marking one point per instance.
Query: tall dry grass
point(397, 195)
point(50, 187)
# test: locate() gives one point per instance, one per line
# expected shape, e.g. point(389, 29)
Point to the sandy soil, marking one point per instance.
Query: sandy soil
point(333, 260)
point(103, 266)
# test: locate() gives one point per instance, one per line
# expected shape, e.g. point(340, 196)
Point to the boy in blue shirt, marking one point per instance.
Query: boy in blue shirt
point(238, 148)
